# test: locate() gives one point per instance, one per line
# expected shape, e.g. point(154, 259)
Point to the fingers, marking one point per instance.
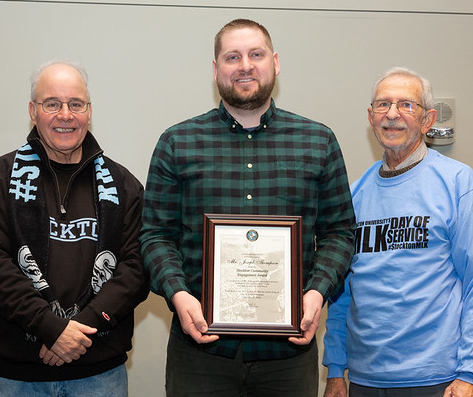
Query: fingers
point(85, 328)
point(201, 338)
point(73, 342)
point(49, 357)
point(335, 387)
point(194, 324)
point(312, 307)
point(306, 337)
point(191, 317)
point(459, 388)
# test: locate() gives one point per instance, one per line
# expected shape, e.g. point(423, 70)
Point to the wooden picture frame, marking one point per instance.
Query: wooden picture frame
point(252, 274)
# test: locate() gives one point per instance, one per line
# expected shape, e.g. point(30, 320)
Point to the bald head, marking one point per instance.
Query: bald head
point(55, 66)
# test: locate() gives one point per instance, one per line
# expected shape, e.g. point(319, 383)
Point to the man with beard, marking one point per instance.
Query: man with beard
point(246, 157)
point(402, 326)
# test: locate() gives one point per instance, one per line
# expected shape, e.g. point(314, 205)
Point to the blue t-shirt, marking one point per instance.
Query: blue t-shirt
point(405, 318)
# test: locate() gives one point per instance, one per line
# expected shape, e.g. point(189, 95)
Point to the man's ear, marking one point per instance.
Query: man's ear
point(370, 116)
point(428, 120)
point(32, 111)
point(277, 64)
point(214, 66)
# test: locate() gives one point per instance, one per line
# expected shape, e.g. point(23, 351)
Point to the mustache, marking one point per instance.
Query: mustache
point(393, 124)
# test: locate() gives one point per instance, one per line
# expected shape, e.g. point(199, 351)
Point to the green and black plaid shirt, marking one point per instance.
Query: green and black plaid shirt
point(288, 165)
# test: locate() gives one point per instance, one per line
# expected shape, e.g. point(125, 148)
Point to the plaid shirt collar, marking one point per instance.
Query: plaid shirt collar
point(266, 119)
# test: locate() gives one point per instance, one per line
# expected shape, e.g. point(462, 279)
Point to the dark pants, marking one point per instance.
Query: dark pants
point(193, 373)
point(425, 391)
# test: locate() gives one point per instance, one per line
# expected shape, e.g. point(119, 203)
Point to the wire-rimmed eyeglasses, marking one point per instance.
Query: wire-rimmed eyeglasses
point(402, 106)
point(55, 105)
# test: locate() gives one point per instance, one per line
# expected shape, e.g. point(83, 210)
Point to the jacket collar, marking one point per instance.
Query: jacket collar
point(90, 147)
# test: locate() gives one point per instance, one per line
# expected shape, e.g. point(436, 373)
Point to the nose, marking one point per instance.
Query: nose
point(65, 112)
point(246, 63)
point(393, 112)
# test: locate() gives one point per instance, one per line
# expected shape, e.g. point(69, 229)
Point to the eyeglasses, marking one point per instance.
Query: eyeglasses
point(55, 105)
point(402, 106)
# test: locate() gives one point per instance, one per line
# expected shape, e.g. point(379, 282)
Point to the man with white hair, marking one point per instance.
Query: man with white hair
point(402, 326)
point(70, 267)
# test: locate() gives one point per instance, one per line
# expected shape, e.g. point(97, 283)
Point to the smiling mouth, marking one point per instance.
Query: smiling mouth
point(393, 127)
point(245, 80)
point(59, 129)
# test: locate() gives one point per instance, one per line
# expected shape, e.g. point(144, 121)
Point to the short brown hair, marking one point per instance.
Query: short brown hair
point(239, 24)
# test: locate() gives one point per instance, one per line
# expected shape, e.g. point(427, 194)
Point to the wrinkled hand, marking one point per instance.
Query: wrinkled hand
point(191, 317)
point(71, 344)
point(49, 357)
point(312, 302)
point(335, 387)
point(459, 388)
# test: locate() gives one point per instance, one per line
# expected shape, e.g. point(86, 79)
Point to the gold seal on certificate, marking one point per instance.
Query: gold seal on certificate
point(252, 274)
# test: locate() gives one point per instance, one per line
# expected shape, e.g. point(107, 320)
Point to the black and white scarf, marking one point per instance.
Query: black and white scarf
point(30, 221)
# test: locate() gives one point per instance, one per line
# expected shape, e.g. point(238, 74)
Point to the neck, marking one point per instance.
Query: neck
point(247, 118)
point(73, 157)
point(395, 157)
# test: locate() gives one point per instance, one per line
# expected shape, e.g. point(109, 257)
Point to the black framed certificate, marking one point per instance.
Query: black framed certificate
point(252, 274)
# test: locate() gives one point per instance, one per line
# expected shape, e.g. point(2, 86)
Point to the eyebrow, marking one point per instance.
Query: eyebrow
point(262, 49)
point(58, 99)
point(399, 100)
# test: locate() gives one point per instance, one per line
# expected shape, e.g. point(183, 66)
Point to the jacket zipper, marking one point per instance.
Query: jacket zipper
point(62, 200)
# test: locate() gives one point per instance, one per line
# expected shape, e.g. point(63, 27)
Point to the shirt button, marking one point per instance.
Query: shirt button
point(234, 126)
point(250, 165)
point(250, 136)
point(265, 126)
point(249, 197)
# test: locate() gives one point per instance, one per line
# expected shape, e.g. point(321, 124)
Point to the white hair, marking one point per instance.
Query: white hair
point(427, 96)
point(37, 74)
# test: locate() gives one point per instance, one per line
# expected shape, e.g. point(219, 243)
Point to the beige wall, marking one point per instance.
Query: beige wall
point(150, 67)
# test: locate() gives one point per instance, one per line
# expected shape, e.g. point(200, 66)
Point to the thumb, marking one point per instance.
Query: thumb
point(85, 329)
point(200, 323)
point(306, 323)
point(308, 318)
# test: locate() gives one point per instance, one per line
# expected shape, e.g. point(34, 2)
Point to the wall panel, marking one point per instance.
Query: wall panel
point(149, 64)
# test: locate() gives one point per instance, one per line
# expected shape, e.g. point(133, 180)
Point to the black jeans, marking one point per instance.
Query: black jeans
point(194, 373)
point(425, 391)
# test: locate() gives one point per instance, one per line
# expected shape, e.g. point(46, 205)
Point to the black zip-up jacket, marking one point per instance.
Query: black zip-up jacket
point(26, 321)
